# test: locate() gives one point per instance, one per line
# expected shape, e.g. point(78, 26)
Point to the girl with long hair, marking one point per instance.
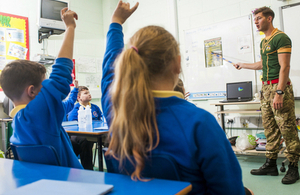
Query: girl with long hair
point(145, 116)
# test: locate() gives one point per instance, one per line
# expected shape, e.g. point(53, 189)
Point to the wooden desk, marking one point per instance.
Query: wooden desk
point(95, 136)
point(245, 111)
point(15, 174)
point(3, 129)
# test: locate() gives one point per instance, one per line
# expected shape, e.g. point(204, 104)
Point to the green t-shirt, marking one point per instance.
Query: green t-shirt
point(270, 47)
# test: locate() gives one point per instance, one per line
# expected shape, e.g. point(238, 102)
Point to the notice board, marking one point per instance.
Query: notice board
point(14, 38)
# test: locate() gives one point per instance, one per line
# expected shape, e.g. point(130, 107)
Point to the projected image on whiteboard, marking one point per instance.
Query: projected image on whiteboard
point(213, 52)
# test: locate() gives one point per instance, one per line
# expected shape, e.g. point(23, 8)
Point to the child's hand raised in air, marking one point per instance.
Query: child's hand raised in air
point(68, 17)
point(186, 95)
point(75, 82)
point(123, 12)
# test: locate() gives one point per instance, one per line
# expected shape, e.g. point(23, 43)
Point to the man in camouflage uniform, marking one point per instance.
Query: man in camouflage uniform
point(277, 98)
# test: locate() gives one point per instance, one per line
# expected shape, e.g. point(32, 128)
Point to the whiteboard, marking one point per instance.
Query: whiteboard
point(290, 24)
point(235, 34)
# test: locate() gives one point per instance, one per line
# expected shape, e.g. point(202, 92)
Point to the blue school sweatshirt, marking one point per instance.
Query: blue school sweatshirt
point(96, 112)
point(69, 103)
point(39, 122)
point(189, 134)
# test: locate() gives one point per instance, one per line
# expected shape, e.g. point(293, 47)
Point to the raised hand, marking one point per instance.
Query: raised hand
point(66, 50)
point(186, 95)
point(122, 12)
point(75, 82)
point(68, 17)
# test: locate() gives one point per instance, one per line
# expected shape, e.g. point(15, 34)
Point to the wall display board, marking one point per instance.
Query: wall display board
point(210, 53)
point(14, 38)
point(291, 26)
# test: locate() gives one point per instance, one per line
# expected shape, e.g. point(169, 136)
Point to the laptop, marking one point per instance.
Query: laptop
point(238, 92)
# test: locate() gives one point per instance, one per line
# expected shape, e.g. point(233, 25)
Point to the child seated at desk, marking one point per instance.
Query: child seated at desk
point(80, 144)
point(70, 101)
point(146, 116)
point(38, 112)
point(84, 97)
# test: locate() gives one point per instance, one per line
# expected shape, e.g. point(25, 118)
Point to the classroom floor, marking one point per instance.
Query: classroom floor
point(265, 185)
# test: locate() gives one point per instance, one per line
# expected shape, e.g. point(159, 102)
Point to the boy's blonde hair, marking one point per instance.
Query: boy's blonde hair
point(19, 74)
point(133, 130)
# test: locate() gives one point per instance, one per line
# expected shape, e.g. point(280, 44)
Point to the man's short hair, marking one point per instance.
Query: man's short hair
point(266, 11)
point(19, 74)
point(81, 88)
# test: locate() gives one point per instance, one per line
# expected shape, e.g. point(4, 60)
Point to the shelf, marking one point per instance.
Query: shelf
point(235, 103)
point(247, 111)
point(243, 128)
point(254, 152)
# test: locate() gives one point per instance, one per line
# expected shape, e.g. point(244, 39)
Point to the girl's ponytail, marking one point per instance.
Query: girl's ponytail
point(133, 129)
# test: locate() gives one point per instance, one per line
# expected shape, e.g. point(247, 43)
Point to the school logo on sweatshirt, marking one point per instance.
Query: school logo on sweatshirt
point(95, 114)
point(268, 48)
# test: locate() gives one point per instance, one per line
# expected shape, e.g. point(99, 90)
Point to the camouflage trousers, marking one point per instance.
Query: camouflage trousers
point(279, 123)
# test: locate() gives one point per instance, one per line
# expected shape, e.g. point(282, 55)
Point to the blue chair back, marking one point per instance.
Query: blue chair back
point(41, 154)
point(158, 166)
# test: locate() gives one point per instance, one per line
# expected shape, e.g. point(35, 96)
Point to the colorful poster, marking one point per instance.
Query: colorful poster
point(2, 34)
point(14, 38)
point(2, 48)
point(211, 47)
point(17, 51)
point(16, 35)
point(2, 62)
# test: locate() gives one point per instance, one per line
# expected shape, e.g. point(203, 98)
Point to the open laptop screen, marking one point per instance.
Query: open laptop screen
point(239, 91)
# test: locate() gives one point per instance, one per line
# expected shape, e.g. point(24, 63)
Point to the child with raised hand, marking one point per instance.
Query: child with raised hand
point(147, 117)
point(80, 144)
point(84, 98)
point(69, 103)
point(39, 111)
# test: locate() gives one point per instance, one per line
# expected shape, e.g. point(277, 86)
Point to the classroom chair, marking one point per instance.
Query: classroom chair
point(41, 154)
point(8, 135)
point(159, 166)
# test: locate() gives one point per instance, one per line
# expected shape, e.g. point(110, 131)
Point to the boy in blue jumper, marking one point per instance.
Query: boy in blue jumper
point(84, 98)
point(80, 144)
point(39, 111)
point(69, 103)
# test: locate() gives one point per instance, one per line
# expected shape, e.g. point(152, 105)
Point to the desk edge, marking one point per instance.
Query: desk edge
point(186, 190)
point(87, 133)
